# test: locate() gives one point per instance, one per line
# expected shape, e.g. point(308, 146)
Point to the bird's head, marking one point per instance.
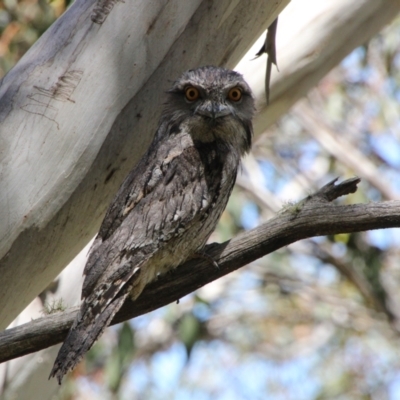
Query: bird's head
point(212, 103)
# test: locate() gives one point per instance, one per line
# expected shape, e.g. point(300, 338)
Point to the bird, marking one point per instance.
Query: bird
point(169, 204)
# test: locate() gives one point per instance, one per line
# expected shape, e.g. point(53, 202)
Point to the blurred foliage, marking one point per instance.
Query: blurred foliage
point(22, 22)
point(316, 320)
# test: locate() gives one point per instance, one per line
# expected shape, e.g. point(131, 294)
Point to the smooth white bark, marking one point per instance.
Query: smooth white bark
point(313, 37)
point(81, 107)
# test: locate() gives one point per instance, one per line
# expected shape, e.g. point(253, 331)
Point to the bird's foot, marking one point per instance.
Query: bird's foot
point(205, 256)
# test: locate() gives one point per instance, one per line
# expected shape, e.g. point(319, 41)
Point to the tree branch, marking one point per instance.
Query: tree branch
point(343, 150)
point(339, 27)
point(313, 216)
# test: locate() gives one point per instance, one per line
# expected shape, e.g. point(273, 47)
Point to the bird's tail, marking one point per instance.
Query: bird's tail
point(82, 335)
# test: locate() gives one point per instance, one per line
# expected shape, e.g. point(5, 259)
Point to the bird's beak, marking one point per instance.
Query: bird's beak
point(213, 110)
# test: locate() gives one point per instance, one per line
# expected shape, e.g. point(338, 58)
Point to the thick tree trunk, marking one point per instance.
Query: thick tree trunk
point(81, 107)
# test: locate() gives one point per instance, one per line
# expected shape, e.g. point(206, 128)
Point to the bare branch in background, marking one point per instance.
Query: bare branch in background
point(342, 149)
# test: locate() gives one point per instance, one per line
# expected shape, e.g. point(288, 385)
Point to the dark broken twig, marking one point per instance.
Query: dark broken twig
point(269, 47)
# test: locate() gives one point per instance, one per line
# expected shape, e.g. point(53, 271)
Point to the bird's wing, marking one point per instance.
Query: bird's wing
point(154, 205)
point(164, 194)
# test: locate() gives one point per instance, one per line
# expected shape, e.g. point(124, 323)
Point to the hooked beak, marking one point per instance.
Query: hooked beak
point(213, 110)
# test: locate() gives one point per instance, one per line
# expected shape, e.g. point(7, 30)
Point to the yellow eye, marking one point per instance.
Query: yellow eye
point(235, 94)
point(192, 93)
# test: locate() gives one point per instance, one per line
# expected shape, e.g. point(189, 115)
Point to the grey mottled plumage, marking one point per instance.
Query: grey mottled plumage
point(169, 204)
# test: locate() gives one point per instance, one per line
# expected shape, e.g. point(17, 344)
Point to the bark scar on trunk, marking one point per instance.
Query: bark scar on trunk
point(102, 9)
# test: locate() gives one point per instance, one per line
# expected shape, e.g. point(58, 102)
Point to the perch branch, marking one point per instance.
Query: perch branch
point(313, 216)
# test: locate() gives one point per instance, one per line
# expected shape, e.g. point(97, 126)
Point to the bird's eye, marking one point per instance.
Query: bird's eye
point(191, 93)
point(235, 94)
